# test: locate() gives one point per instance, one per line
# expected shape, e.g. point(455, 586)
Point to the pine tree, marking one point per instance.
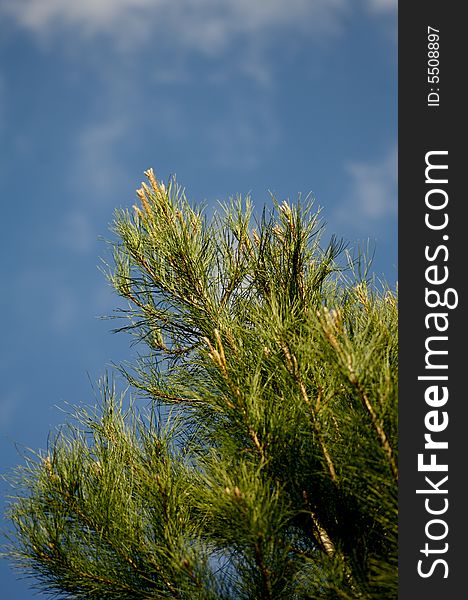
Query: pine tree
point(264, 464)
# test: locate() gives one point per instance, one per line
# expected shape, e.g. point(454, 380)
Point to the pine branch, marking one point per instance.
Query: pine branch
point(274, 474)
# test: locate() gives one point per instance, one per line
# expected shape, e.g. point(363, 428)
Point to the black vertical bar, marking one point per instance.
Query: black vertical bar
point(433, 532)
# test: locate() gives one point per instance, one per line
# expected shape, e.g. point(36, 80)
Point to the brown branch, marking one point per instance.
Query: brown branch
point(263, 570)
point(377, 425)
point(319, 531)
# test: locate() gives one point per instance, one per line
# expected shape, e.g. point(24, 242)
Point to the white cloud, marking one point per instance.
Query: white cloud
point(206, 25)
point(89, 15)
point(373, 191)
point(237, 134)
point(382, 5)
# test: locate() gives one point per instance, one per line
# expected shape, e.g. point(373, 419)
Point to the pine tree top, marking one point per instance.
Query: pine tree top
point(274, 475)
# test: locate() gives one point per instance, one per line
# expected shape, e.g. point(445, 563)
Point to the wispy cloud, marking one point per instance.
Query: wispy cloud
point(241, 131)
point(382, 5)
point(372, 195)
point(206, 24)
point(42, 16)
point(172, 32)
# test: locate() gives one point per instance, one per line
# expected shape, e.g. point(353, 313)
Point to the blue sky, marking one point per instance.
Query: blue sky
point(232, 96)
